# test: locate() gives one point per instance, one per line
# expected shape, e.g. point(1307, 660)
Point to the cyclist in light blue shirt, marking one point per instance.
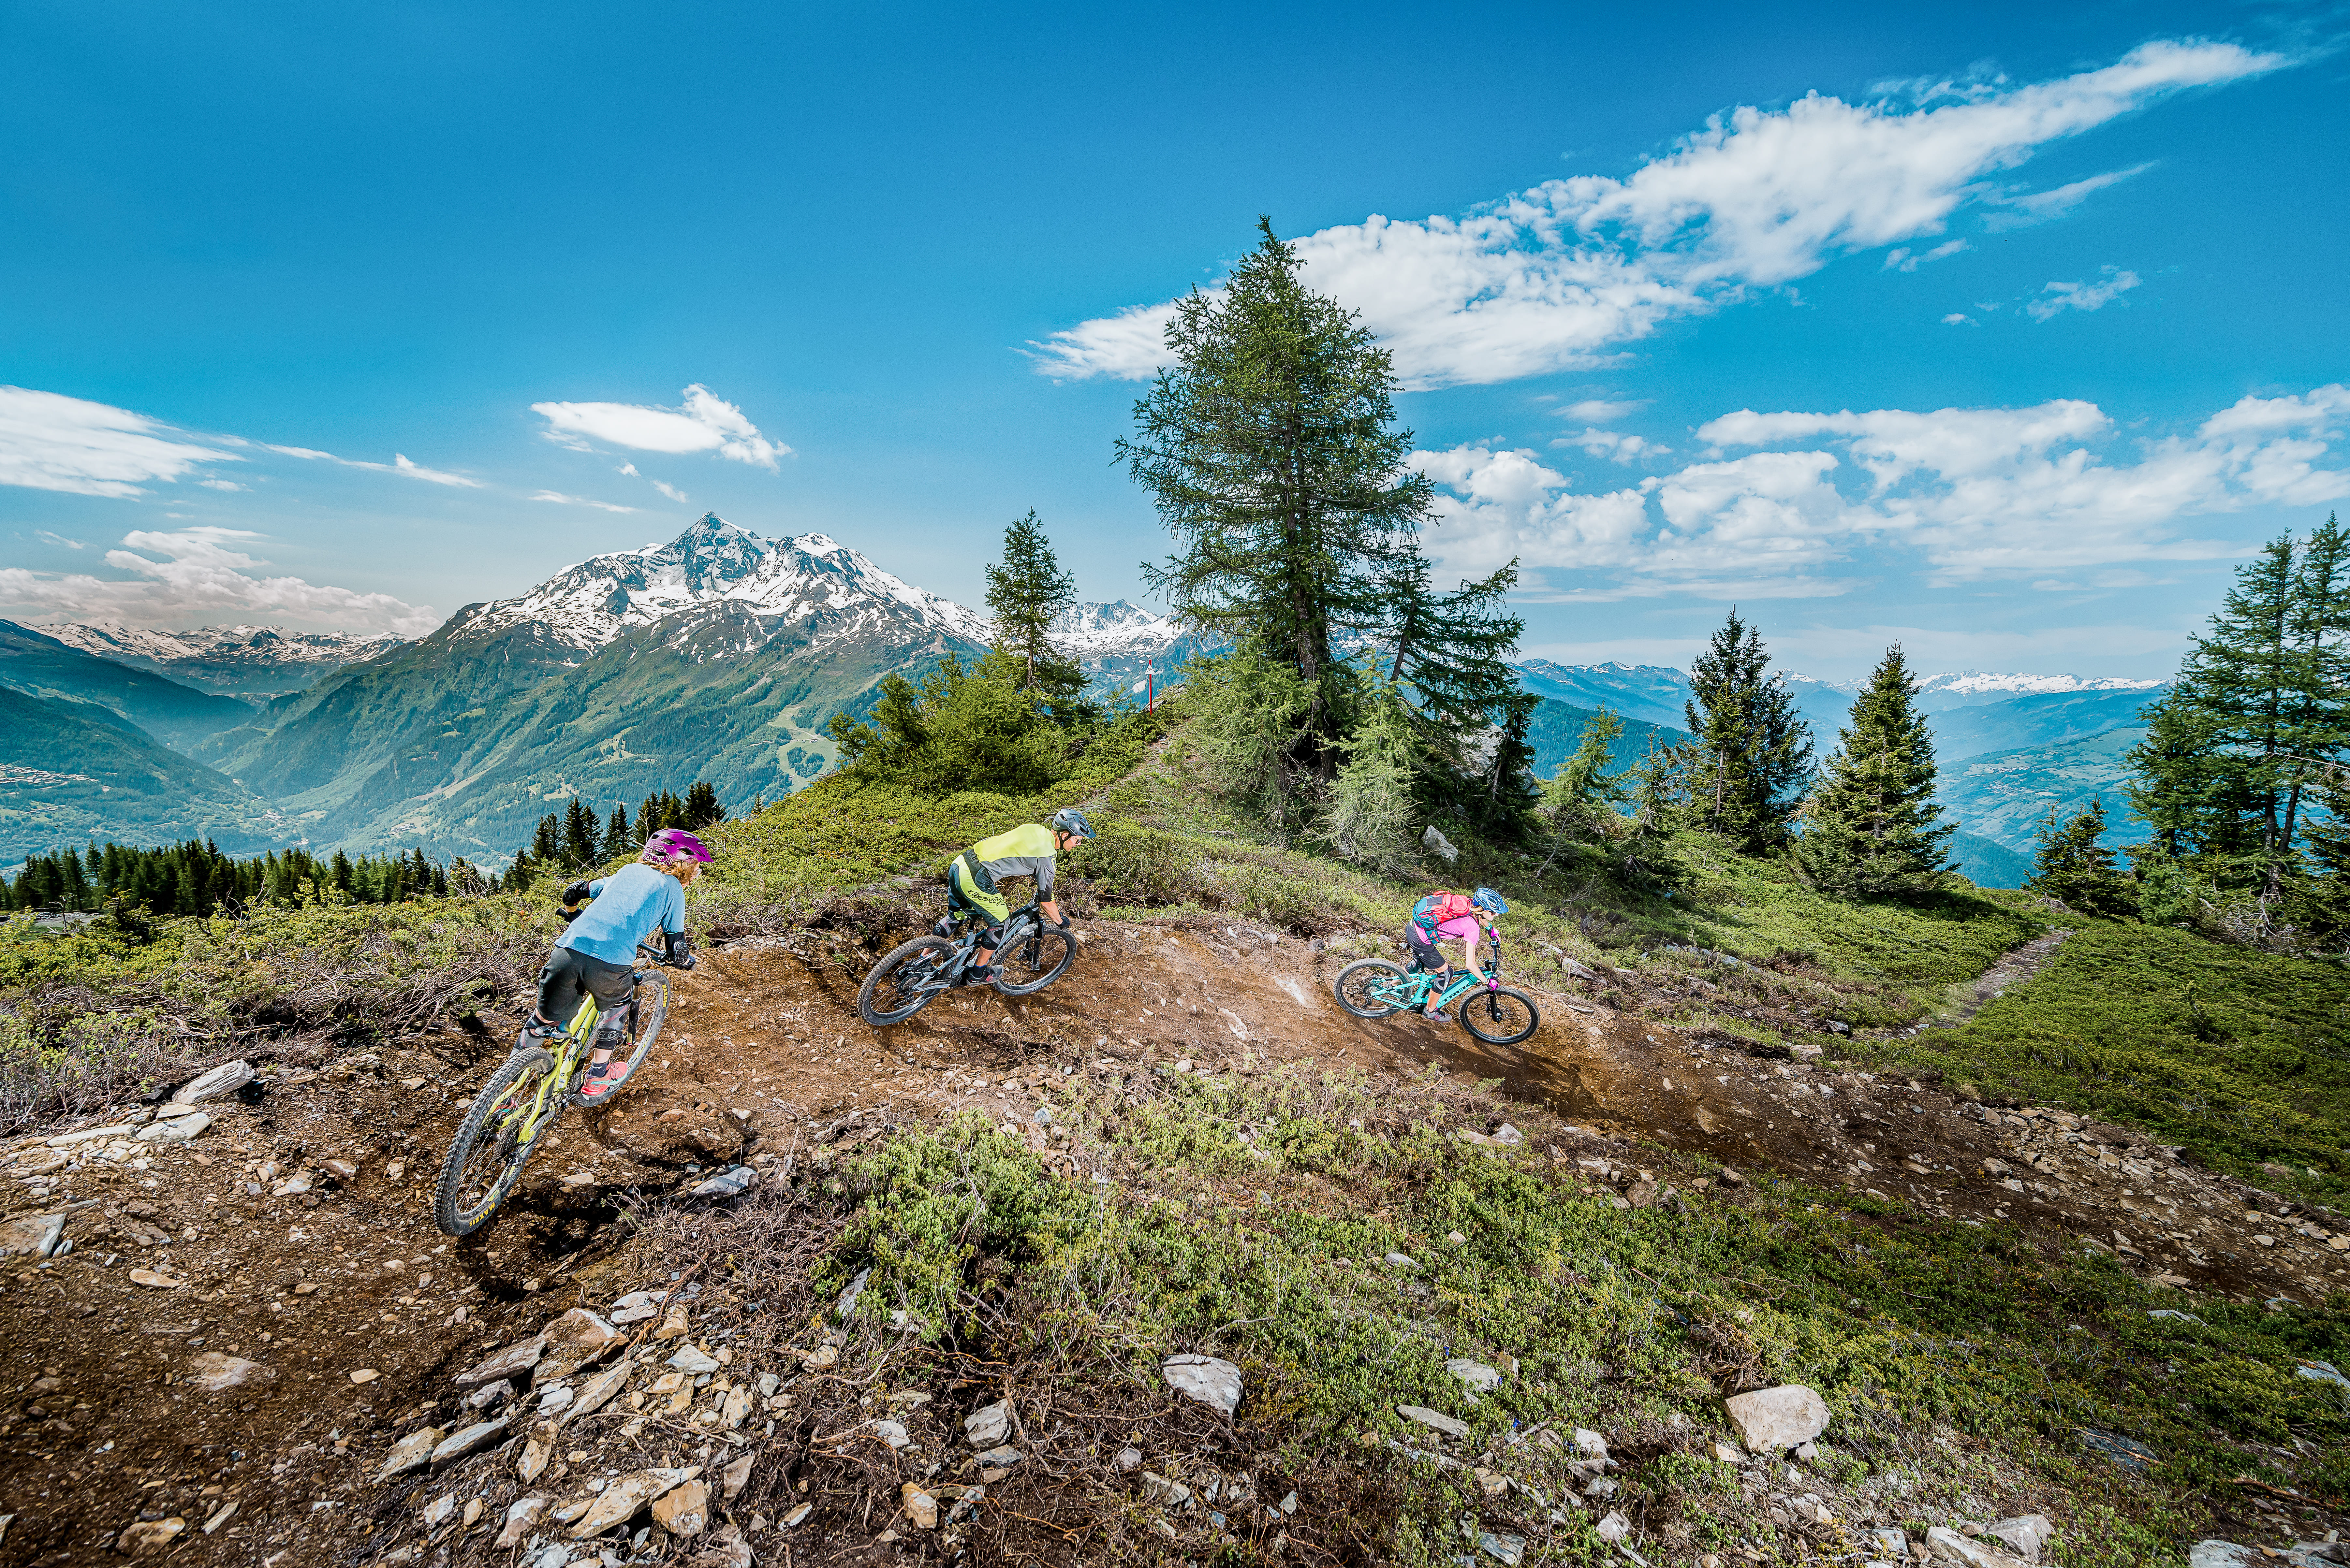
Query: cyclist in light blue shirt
point(596, 958)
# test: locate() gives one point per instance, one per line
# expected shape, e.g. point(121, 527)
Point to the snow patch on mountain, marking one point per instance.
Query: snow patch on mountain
point(1973, 683)
point(1097, 630)
point(715, 563)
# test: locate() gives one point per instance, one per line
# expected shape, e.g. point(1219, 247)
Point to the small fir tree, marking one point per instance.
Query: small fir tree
point(1028, 592)
point(1870, 827)
point(618, 844)
point(2074, 867)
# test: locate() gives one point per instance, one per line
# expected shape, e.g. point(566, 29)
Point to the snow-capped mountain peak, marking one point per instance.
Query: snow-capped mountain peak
point(1094, 631)
point(268, 645)
point(1973, 683)
point(716, 563)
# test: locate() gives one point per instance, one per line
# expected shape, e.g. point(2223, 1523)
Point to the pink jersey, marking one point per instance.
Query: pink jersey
point(1462, 927)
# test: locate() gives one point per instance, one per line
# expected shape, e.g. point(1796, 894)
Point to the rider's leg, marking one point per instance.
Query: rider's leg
point(609, 984)
point(562, 987)
point(989, 905)
point(1428, 960)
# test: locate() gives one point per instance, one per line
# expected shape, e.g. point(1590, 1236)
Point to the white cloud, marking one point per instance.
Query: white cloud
point(1556, 276)
point(1601, 411)
point(2018, 211)
point(399, 465)
point(557, 495)
point(672, 491)
point(51, 442)
point(2061, 296)
point(1786, 503)
point(46, 537)
point(193, 575)
point(1960, 319)
point(630, 470)
point(705, 422)
point(1899, 259)
point(1614, 446)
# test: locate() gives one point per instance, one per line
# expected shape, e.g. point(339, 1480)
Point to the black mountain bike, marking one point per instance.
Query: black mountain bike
point(1030, 954)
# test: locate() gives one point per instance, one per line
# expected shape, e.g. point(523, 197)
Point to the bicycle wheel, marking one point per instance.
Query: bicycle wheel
point(1370, 988)
point(1500, 1017)
point(904, 980)
point(490, 1151)
point(1033, 957)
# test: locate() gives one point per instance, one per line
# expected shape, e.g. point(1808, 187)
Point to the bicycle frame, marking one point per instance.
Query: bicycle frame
point(1424, 980)
point(577, 1039)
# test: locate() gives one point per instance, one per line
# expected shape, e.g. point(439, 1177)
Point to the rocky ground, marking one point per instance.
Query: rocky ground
point(235, 1336)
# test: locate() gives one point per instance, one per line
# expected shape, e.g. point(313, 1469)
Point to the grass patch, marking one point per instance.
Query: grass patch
point(2240, 1056)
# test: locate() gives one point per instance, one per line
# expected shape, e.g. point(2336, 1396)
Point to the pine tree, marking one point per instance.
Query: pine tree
point(1270, 449)
point(618, 844)
point(1369, 814)
point(1028, 592)
point(702, 808)
point(2074, 867)
point(1745, 770)
point(580, 836)
point(1581, 796)
point(1870, 827)
point(1451, 654)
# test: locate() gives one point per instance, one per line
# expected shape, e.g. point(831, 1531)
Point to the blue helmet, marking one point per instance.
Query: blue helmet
point(1069, 819)
point(1490, 901)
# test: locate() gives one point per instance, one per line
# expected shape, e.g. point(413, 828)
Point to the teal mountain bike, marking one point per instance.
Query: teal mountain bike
point(1495, 1014)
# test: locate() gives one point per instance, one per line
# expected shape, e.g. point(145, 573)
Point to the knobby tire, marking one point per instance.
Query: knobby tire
point(1042, 954)
point(883, 981)
point(517, 1076)
point(1353, 987)
point(1502, 1017)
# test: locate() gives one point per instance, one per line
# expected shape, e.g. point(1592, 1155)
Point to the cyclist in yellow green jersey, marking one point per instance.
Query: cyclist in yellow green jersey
point(1030, 850)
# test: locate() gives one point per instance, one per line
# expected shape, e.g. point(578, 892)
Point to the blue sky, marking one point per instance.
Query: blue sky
point(2004, 331)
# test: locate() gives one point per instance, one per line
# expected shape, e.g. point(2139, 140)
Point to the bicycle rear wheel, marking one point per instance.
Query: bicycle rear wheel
point(1500, 1017)
point(649, 1010)
point(1370, 988)
point(490, 1151)
point(1033, 957)
point(905, 980)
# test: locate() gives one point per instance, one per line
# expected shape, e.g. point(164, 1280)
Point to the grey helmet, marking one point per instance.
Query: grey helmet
point(1069, 819)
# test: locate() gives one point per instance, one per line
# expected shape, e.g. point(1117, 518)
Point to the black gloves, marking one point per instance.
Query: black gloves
point(576, 895)
point(679, 955)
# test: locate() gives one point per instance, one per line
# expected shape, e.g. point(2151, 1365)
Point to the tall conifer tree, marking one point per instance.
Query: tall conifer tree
point(1870, 827)
point(1745, 770)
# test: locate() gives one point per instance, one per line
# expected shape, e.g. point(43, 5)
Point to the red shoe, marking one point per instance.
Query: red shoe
point(603, 1081)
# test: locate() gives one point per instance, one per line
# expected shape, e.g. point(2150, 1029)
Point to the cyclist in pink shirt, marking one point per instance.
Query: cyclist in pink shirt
point(1463, 916)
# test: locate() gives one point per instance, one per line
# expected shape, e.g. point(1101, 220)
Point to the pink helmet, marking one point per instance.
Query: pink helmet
point(673, 845)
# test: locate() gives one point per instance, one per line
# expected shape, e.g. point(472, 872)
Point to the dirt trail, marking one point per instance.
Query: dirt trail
point(103, 1425)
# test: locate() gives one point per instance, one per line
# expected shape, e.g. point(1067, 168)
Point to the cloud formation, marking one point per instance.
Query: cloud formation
point(2038, 207)
point(51, 442)
point(705, 422)
point(399, 465)
point(557, 495)
point(1553, 277)
point(195, 576)
point(1783, 501)
point(2059, 297)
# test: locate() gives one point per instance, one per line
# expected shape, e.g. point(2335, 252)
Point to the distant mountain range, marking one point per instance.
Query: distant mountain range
point(720, 655)
point(252, 662)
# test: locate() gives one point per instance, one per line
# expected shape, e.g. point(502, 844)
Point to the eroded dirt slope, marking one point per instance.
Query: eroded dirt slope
point(296, 1233)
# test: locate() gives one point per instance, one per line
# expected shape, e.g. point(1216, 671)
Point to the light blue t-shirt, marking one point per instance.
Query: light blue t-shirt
point(630, 905)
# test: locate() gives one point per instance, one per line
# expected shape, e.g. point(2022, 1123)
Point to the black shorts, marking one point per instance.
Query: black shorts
point(1424, 955)
point(571, 976)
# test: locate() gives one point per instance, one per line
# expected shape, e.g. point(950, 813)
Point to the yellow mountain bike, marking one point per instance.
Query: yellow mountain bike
point(516, 1110)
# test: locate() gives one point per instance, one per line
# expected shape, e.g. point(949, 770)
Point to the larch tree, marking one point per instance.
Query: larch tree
point(1027, 591)
point(1869, 826)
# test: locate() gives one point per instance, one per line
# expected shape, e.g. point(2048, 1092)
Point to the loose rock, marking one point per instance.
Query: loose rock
point(221, 1080)
point(1475, 1374)
point(1213, 1382)
point(1778, 1417)
point(33, 1235)
point(180, 1130)
point(622, 1499)
point(920, 1506)
point(150, 1536)
point(213, 1372)
point(989, 1424)
point(515, 1358)
point(731, 1183)
point(520, 1516)
point(1947, 1545)
point(684, 1510)
point(411, 1452)
point(2024, 1535)
point(572, 1341)
point(1435, 1420)
point(462, 1443)
point(735, 1477)
point(598, 1391)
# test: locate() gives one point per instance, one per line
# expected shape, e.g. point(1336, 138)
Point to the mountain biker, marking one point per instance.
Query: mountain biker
point(1464, 916)
point(597, 956)
point(1029, 850)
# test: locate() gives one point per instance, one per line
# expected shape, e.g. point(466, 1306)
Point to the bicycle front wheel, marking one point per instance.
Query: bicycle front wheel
point(509, 1119)
point(1500, 1017)
point(1034, 956)
point(903, 982)
point(1370, 988)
